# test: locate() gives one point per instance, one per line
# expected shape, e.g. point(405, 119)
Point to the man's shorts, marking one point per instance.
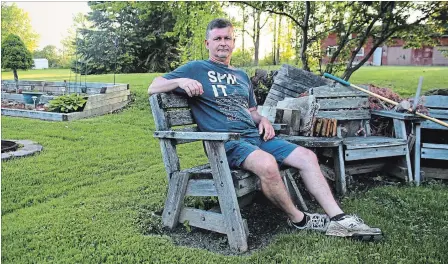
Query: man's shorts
point(238, 150)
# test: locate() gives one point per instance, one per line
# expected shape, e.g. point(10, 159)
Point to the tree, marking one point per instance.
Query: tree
point(127, 37)
point(15, 55)
point(69, 42)
point(16, 21)
point(49, 52)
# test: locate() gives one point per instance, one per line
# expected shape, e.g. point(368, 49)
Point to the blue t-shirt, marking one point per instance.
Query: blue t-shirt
point(228, 95)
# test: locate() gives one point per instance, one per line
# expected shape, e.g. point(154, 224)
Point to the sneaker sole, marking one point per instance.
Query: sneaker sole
point(367, 237)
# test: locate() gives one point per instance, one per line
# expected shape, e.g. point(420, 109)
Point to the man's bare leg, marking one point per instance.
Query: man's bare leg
point(306, 161)
point(265, 166)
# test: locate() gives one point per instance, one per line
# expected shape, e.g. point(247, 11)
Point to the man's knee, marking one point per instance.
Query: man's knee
point(264, 165)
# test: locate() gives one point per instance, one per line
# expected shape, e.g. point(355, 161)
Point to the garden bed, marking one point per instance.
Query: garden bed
point(102, 98)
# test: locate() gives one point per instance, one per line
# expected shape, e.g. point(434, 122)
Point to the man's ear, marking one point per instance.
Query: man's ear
point(206, 44)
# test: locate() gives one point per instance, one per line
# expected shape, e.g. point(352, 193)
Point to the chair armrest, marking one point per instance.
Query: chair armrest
point(395, 115)
point(197, 135)
point(278, 127)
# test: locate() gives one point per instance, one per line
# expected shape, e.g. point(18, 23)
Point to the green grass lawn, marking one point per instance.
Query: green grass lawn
point(87, 197)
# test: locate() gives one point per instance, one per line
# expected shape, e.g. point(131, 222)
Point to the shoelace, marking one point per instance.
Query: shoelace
point(316, 221)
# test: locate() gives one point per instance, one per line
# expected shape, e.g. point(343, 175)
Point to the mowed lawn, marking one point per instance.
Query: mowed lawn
point(90, 196)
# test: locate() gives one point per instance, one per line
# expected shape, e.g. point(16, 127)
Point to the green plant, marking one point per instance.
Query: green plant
point(67, 103)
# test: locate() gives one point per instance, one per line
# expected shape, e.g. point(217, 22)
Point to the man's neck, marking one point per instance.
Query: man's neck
point(227, 63)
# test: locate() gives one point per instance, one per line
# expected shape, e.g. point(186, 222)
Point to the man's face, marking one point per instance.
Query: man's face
point(220, 43)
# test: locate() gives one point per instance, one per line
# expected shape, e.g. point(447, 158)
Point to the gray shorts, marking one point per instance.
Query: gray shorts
point(238, 150)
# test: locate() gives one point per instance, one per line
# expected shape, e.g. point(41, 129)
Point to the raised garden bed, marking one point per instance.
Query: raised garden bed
point(102, 98)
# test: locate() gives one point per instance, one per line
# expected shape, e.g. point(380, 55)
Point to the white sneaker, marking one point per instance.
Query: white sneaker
point(353, 226)
point(317, 222)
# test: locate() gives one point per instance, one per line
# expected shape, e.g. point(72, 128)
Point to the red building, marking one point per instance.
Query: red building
point(394, 54)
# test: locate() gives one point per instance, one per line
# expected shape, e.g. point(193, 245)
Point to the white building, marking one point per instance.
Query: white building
point(40, 64)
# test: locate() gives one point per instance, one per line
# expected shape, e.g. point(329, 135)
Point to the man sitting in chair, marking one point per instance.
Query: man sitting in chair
point(222, 100)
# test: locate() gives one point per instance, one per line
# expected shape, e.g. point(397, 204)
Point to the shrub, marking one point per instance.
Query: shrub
point(67, 103)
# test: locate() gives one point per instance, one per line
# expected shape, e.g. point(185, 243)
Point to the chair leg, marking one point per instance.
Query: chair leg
point(417, 153)
point(174, 200)
point(338, 156)
point(236, 231)
point(293, 190)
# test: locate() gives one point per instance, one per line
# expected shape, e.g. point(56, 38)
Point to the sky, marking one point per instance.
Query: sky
point(51, 20)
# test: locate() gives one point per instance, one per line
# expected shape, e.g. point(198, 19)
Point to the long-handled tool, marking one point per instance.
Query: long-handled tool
point(345, 83)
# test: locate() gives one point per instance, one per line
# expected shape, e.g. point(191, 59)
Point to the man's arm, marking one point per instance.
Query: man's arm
point(162, 85)
point(263, 124)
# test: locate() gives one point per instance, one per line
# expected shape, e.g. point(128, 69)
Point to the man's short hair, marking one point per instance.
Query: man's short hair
point(217, 23)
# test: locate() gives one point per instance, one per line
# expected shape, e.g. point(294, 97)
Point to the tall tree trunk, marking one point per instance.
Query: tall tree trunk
point(296, 60)
point(257, 36)
point(277, 55)
point(304, 46)
point(274, 60)
point(16, 79)
point(244, 29)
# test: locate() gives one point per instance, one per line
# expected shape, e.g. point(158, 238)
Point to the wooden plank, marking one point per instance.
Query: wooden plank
point(34, 114)
point(197, 135)
point(417, 153)
point(246, 186)
point(171, 100)
point(201, 187)
point(396, 115)
point(283, 91)
point(335, 126)
point(343, 103)
point(328, 91)
point(282, 81)
point(175, 199)
point(439, 113)
point(233, 221)
point(98, 104)
point(436, 101)
point(293, 190)
point(432, 125)
point(432, 153)
point(101, 97)
point(312, 142)
point(365, 167)
point(96, 111)
point(116, 88)
point(324, 127)
point(339, 164)
point(307, 79)
point(370, 153)
point(167, 146)
point(435, 146)
point(437, 173)
point(318, 127)
point(344, 114)
point(179, 117)
point(362, 142)
point(203, 219)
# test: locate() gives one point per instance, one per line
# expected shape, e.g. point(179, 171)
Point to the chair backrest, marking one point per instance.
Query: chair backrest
point(172, 112)
point(350, 107)
point(438, 108)
point(291, 82)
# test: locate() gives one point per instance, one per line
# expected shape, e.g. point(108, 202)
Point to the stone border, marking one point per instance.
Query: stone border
point(29, 148)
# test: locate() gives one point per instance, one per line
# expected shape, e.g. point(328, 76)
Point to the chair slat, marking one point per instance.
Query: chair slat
point(179, 117)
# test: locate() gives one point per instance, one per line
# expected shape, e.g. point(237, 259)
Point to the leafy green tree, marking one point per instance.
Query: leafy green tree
point(126, 37)
point(15, 55)
point(49, 52)
point(16, 21)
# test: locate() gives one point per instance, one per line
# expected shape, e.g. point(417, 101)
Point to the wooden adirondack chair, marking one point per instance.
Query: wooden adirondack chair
point(351, 147)
point(429, 148)
point(234, 188)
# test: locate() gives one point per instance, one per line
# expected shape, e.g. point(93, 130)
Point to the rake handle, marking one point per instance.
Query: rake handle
point(345, 83)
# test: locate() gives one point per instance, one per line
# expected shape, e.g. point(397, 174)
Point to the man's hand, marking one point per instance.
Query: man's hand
point(266, 127)
point(191, 87)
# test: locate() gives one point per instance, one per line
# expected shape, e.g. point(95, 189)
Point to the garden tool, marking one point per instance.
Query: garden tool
point(412, 110)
